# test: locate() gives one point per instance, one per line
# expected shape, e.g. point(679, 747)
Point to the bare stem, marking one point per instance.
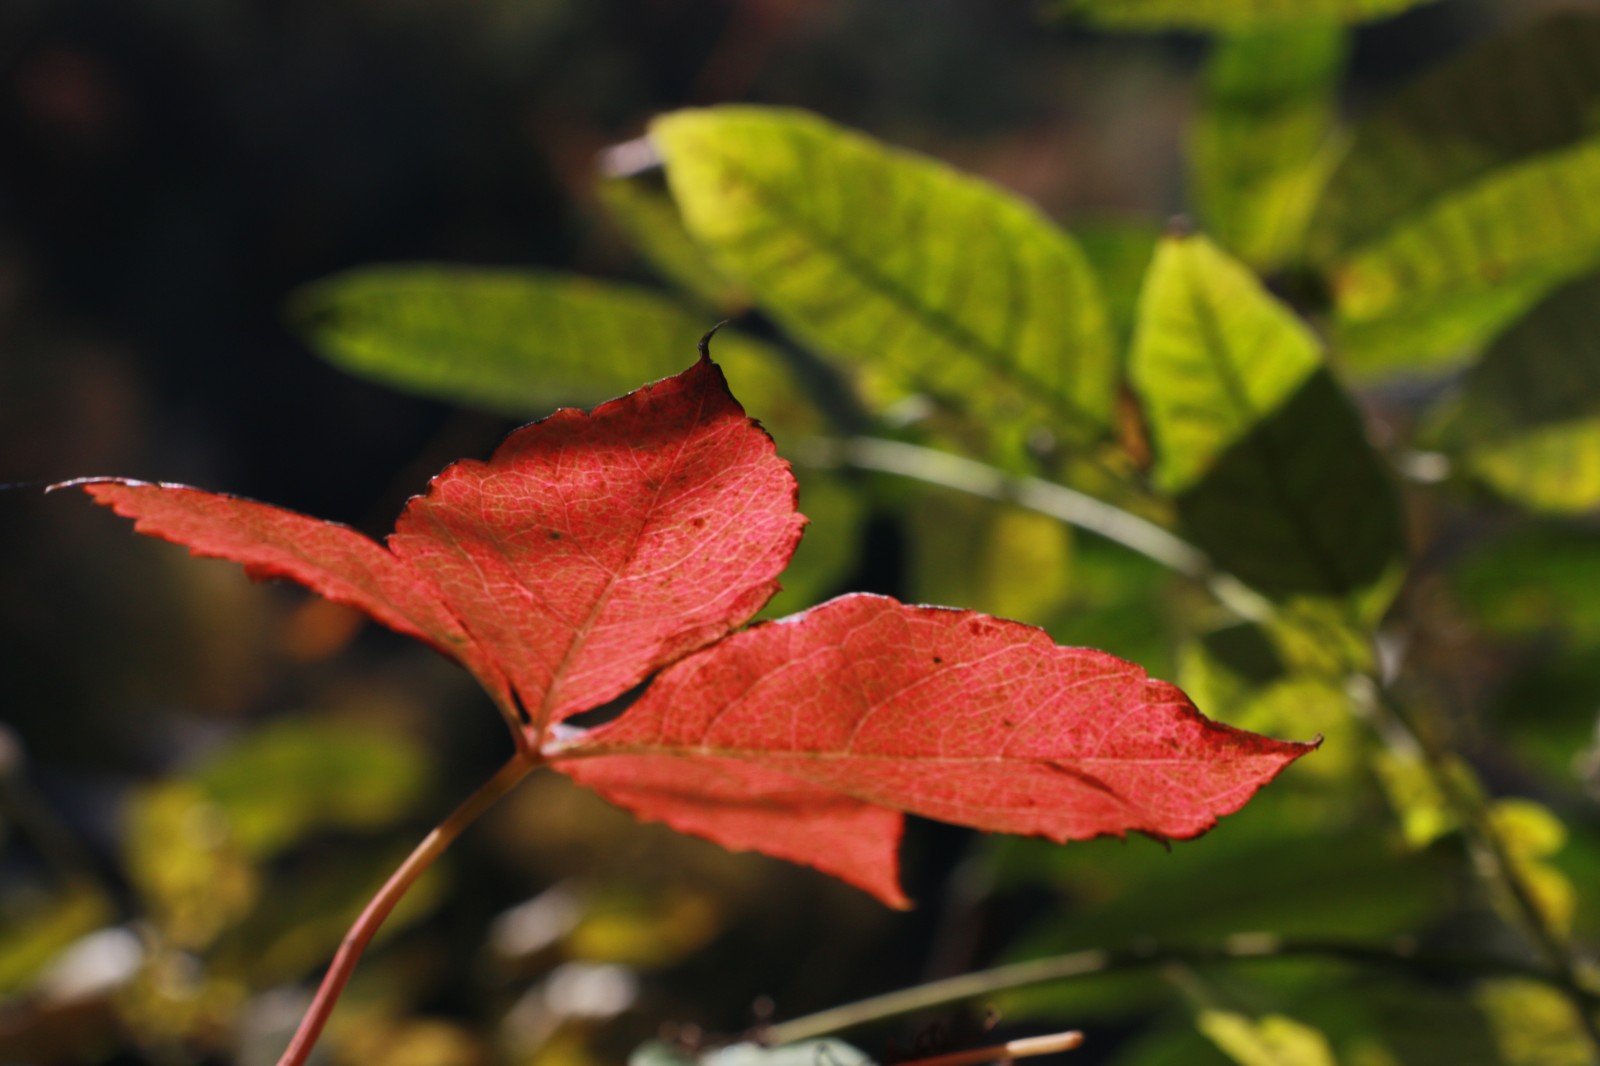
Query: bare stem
point(1036, 494)
point(361, 933)
point(1248, 947)
point(1494, 862)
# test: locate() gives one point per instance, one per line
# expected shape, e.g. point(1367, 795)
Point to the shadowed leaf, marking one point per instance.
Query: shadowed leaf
point(1266, 455)
point(1466, 197)
point(1262, 144)
point(1527, 418)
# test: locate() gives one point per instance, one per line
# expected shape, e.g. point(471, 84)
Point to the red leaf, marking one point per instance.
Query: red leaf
point(948, 714)
point(589, 551)
point(594, 549)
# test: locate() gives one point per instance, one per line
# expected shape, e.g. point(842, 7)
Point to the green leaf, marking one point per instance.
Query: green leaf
point(300, 775)
point(1001, 560)
point(38, 930)
point(523, 342)
point(1213, 15)
point(1527, 418)
point(1533, 1024)
point(1531, 833)
point(1536, 582)
point(1119, 250)
point(1271, 1040)
point(1240, 677)
point(641, 208)
point(1265, 454)
point(925, 279)
point(1467, 197)
point(1263, 143)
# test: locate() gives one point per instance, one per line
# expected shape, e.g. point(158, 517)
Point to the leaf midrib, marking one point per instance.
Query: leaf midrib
point(954, 333)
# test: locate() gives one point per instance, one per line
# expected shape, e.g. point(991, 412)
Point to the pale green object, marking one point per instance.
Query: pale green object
point(1211, 15)
point(1526, 420)
point(1264, 141)
point(922, 279)
point(1465, 198)
point(1271, 1040)
point(300, 775)
point(1264, 453)
point(828, 1052)
point(523, 342)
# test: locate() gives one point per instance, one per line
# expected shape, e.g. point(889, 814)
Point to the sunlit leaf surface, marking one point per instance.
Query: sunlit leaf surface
point(1265, 453)
point(923, 278)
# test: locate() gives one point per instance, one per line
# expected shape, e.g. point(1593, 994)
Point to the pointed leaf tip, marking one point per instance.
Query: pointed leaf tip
point(591, 549)
point(947, 714)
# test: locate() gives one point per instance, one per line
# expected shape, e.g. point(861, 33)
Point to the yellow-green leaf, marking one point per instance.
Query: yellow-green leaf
point(1265, 454)
point(523, 341)
point(1532, 1024)
point(1228, 14)
point(1271, 1040)
point(1242, 675)
point(925, 279)
point(300, 774)
point(38, 930)
point(1530, 833)
point(1527, 418)
point(1263, 143)
point(642, 209)
point(997, 559)
point(1467, 197)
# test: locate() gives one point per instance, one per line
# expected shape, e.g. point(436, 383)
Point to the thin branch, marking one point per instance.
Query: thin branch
point(1493, 861)
point(361, 933)
point(1402, 954)
point(979, 479)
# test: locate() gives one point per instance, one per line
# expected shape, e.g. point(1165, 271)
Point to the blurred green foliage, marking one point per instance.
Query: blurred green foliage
point(1364, 393)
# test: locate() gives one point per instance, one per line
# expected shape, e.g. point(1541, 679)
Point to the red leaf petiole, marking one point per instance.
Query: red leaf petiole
point(366, 926)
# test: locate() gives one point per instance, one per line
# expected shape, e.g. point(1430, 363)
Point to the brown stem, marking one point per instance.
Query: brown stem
point(361, 933)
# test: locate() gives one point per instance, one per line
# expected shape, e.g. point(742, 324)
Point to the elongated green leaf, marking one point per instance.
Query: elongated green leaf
point(926, 279)
point(1229, 14)
point(1264, 452)
point(1467, 197)
point(1263, 143)
point(1527, 419)
point(523, 342)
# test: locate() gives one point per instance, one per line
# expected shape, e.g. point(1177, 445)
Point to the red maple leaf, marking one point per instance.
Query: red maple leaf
point(596, 549)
